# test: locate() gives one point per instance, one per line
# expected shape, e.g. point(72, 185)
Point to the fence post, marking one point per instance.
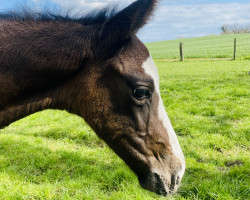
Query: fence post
point(181, 52)
point(234, 49)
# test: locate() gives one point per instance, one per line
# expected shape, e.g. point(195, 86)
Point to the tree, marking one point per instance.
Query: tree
point(225, 29)
point(235, 29)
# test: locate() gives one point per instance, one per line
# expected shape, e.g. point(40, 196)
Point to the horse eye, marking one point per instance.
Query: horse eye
point(141, 93)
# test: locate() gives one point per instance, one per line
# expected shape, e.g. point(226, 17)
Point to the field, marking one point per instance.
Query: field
point(203, 47)
point(55, 155)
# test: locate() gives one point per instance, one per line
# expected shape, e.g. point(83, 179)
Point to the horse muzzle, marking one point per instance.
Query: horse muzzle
point(165, 177)
point(159, 184)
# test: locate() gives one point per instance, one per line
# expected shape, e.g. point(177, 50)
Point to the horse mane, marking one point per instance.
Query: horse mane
point(95, 16)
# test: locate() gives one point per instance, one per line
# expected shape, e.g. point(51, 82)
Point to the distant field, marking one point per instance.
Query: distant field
point(54, 155)
point(203, 47)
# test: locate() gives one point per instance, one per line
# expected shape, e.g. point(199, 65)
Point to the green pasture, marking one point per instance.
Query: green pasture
point(204, 47)
point(55, 155)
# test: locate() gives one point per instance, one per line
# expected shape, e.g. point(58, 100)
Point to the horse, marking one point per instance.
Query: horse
point(96, 67)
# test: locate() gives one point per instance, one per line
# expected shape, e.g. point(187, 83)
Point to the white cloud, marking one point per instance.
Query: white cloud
point(175, 21)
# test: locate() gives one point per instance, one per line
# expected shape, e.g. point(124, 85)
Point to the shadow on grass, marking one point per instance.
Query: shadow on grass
point(58, 132)
point(36, 162)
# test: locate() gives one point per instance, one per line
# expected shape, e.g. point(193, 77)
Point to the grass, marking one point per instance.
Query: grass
point(208, 102)
point(203, 47)
point(55, 155)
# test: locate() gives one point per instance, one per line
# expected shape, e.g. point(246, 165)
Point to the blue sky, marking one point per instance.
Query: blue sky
point(173, 18)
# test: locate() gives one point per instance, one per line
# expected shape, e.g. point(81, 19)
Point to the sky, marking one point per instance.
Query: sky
point(173, 19)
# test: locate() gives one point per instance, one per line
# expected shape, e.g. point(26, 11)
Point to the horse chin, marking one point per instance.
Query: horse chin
point(161, 185)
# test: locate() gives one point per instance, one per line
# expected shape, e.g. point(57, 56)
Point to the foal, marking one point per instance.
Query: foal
point(97, 68)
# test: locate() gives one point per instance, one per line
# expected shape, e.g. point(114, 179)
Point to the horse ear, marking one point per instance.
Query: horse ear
point(128, 21)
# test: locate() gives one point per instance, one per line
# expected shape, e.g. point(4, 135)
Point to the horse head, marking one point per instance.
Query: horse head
point(121, 101)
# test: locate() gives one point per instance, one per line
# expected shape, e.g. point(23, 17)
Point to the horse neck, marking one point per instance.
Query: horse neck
point(57, 97)
point(69, 95)
point(53, 99)
point(42, 82)
point(19, 111)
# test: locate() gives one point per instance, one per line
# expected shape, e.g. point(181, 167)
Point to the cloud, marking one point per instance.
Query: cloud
point(174, 21)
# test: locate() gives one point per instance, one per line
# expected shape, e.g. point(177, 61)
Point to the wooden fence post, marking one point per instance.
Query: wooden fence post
point(234, 49)
point(181, 52)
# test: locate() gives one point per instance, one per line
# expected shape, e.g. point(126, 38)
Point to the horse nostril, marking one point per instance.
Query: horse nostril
point(173, 182)
point(178, 180)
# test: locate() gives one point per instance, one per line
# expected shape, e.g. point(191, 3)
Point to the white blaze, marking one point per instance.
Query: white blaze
point(151, 70)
